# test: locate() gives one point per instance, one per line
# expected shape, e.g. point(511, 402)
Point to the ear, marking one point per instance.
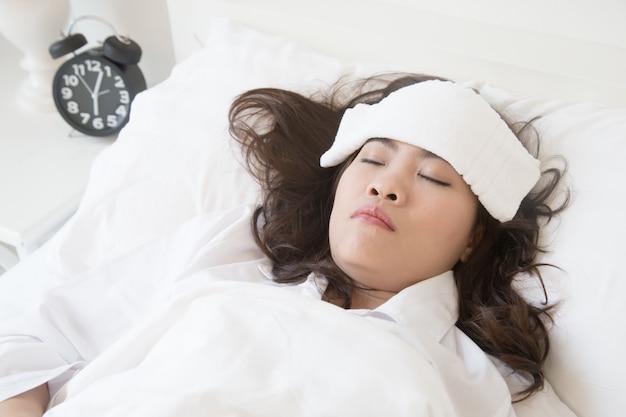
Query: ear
point(475, 238)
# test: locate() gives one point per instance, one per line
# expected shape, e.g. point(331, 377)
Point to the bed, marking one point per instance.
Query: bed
point(174, 161)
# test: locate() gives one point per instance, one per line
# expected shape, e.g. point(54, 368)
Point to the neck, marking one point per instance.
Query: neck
point(361, 298)
point(369, 299)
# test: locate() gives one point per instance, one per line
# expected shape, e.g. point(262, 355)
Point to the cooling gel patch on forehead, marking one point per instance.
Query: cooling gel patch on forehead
point(455, 123)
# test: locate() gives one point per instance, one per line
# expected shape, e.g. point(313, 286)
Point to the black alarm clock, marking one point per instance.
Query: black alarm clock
point(93, 90)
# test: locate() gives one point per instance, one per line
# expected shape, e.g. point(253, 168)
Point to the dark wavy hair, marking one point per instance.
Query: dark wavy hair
point(284, 133)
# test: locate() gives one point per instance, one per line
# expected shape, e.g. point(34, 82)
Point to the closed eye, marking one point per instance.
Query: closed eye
point(371, 161)
point(434, 180)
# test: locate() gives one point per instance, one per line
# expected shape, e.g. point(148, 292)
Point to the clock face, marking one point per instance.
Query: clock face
point(92, 94)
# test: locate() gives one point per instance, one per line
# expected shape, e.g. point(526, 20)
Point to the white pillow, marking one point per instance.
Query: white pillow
point(587, 363)
point(174, 160)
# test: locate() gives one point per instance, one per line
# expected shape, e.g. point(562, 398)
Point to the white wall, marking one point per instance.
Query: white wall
point(144, 21)
point(579, 19)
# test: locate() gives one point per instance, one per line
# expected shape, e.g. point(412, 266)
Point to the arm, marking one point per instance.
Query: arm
point(31, 403)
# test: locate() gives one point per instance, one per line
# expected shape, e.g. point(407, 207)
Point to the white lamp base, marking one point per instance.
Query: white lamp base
point(35, 92)
point(32, 26)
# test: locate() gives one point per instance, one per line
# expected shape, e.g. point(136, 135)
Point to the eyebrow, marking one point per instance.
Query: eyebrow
point(392, 144)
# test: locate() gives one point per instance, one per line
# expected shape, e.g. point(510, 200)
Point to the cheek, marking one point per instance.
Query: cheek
point(334, 226)
point(348, 242)
point(457, 224)
point(345, 192)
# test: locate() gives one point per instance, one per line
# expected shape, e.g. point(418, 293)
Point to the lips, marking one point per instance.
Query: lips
point(374, 215)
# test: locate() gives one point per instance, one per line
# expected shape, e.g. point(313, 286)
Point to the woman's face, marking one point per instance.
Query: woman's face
point(400, 215)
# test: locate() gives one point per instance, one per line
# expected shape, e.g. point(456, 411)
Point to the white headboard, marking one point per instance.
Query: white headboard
point(570, 49)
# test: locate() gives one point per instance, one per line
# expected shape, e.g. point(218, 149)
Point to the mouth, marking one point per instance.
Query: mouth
point(374, 215)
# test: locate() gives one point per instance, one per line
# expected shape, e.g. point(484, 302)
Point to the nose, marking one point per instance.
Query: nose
point(385, 191)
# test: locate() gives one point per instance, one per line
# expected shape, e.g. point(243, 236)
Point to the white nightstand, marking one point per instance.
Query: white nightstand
point(44, 167)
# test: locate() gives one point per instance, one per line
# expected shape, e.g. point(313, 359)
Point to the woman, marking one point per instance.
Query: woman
point(418, 218)
point(441, 140)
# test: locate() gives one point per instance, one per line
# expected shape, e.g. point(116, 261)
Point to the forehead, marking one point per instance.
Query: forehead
point(395, 146)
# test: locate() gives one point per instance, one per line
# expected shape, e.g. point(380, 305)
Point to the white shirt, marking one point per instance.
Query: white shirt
point(82, 316)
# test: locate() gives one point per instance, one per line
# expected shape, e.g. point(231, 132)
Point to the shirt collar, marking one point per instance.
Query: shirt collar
point(430, 306)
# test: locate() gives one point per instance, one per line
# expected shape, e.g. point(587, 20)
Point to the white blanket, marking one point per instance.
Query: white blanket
point(241, 349)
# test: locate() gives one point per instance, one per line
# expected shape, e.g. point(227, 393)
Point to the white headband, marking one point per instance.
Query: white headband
point(456, 124)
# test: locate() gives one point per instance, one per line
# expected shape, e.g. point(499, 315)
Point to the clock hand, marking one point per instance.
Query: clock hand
point(104, 92)
point(96, 92)
point(82, 80)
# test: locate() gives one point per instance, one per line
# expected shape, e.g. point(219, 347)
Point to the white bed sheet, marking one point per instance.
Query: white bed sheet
point(208, 354)
point(232, 341)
